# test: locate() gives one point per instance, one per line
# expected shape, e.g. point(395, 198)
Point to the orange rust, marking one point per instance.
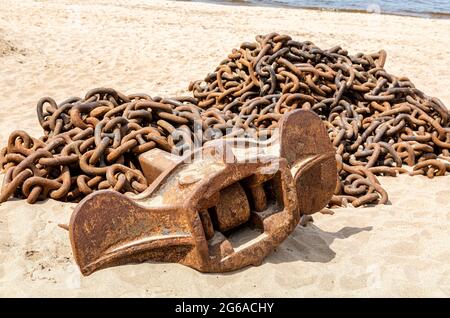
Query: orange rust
point(222, 207)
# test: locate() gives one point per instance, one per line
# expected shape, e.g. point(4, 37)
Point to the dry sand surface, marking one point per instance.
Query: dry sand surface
point(63, 48)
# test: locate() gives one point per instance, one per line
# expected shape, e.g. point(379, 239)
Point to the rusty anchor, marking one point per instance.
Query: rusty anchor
point(219, 208)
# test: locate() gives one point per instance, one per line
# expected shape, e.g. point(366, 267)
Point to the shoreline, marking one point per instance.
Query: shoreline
point(406, 13)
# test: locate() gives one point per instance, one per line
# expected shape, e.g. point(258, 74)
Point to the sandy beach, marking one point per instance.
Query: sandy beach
point(64, 48)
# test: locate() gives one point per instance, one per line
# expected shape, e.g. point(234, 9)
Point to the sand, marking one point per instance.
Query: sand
point(64, 48)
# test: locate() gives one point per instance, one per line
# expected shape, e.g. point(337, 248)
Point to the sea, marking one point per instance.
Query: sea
point(420, 8)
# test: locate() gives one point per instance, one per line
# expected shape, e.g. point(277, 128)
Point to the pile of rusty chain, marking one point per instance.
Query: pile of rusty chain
point(376, 121)
point(92, 144)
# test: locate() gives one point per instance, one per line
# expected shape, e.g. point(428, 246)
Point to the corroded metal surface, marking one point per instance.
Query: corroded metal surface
point(178, 179)
point(376, 121)
point(312, 161)
point(196, 209)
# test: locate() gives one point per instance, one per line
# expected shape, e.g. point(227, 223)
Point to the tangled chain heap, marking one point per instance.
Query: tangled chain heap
point(92, 144)
point(376, 121)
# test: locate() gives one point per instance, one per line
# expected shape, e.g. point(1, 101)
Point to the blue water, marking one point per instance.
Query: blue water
point(431, 8)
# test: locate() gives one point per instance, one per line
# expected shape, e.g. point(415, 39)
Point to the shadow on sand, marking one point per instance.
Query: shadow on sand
point(311, 244)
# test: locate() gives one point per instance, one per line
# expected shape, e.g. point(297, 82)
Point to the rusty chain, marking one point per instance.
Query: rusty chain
point(376, 121)
point(91, 144)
